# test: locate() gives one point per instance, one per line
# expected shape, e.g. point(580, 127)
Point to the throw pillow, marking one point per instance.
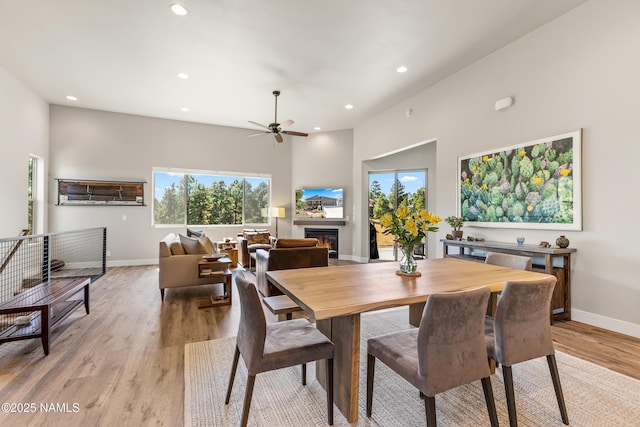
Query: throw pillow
point(296, 243)
point(192, 246)
point(194, 233)
point(253, 238)
point(208, 245)
point(176, 248)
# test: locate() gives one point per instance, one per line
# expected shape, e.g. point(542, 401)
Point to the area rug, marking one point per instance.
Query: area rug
point(595, 396)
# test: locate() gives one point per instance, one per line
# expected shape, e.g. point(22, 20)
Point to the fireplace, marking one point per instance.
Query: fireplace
point(327, 237)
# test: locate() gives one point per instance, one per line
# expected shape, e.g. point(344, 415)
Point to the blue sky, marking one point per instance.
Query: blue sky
point(411, 180)
point(335, 193)
point(165, 179)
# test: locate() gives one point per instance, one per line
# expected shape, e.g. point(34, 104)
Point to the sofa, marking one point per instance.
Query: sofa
point(249, 241)
point(287, 254)
point(178, 261)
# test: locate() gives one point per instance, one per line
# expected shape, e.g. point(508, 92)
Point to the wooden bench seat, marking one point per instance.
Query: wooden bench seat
point(281, 305)
point(48, 303)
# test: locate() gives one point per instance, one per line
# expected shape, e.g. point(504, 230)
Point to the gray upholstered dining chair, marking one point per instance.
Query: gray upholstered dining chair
point(266, 347)
point(517, 262)
point(447, 350)
point(522, 332)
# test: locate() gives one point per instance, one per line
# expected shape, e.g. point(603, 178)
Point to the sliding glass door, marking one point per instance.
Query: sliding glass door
point(387, 191)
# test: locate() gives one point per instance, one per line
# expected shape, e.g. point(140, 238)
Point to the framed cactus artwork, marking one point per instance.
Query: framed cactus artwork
point(533, 185)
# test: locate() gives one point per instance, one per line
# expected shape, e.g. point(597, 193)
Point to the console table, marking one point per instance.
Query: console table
point(547, 260)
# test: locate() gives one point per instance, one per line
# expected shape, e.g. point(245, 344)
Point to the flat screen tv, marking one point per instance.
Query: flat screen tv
point(319, 203)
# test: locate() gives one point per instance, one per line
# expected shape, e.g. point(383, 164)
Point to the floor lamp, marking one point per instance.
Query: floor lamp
point(277, 213)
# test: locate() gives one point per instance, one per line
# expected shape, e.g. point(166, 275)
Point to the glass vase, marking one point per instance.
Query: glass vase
point(408, 264)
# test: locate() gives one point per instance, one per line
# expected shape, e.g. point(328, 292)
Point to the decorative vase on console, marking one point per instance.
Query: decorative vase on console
point(409, 228)
point(562, 242)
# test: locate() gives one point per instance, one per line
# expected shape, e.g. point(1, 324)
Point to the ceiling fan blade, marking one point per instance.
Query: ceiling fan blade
point(257, 134)
point(286, 124)
point(290, 132)
point(260, 125)
point(278, 137)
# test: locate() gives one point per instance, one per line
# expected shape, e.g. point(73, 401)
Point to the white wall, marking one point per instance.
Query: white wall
point(24, 130)
point(324, 160)
point(91, 144)
point(579, 71)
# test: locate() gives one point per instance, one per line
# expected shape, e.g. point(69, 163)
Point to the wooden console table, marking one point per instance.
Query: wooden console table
point(543, 261)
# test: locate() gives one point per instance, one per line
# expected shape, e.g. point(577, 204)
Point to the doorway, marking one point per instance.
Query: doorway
point(387, 191)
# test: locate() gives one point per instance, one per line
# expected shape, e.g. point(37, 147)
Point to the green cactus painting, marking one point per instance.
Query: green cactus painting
point(531, 185)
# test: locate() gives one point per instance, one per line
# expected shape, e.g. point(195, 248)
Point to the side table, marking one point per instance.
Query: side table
point(231, 249)
point(217, 269)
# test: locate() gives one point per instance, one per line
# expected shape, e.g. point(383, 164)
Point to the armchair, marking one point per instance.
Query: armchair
point(249, 242)
point(287, 254)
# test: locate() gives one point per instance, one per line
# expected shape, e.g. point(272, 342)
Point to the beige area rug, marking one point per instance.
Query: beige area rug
point(595, 396)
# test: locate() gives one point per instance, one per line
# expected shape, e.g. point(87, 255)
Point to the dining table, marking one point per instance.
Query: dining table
point(335, 297)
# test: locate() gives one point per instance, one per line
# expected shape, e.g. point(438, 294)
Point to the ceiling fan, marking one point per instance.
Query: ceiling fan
point(277, 128)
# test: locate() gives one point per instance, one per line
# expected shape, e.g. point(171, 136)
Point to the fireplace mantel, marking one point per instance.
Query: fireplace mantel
point(319, 222)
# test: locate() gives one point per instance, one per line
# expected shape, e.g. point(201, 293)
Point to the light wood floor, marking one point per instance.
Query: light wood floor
point(123, 363)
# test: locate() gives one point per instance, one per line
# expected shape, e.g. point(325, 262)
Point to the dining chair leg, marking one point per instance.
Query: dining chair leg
point(553, 368)
point(430, 410)
point(304, 374)
point(371, 367)
point(511, 400)
point(330, 391)
point(247, 400)
point(491, 403)
point(232, 376)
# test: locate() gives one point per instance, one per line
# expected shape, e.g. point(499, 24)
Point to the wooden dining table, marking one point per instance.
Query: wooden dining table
point(336, 296)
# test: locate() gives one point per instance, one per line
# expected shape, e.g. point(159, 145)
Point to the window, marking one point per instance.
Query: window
point(35, 195)
point(31, 193)
point(387, 192)
point(209, 198)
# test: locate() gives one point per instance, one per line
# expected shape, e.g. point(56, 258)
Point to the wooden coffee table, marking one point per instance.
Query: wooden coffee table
point(216, 269)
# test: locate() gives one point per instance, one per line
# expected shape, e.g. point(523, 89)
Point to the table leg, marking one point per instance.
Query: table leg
point(491, 311)
point(86, 298)
point(345, 333)
point(415, 313)
point(45, 329)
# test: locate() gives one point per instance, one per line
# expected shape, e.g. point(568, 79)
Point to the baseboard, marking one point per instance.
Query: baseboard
point(361, 260)
point(130, 262)
point(615, 325)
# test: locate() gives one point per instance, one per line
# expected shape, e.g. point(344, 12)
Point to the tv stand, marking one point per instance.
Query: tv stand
point(546, 260)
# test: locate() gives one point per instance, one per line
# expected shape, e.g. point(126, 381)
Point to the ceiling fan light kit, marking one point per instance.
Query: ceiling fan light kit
point(276, 128)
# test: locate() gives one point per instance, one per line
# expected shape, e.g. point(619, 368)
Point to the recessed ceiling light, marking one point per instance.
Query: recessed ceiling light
point(185, 109)
point(349, 107)
point(316, 128)
point(402, 69)
point(183, 76)
point(178, 9)
point(71, 98)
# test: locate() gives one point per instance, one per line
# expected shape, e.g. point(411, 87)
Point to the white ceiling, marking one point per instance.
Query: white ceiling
point(124, 56)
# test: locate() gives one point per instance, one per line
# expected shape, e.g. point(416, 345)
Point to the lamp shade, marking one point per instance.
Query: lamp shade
point(278, 213)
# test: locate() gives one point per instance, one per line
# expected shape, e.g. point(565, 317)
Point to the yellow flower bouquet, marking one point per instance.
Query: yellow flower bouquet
point(409, 229)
